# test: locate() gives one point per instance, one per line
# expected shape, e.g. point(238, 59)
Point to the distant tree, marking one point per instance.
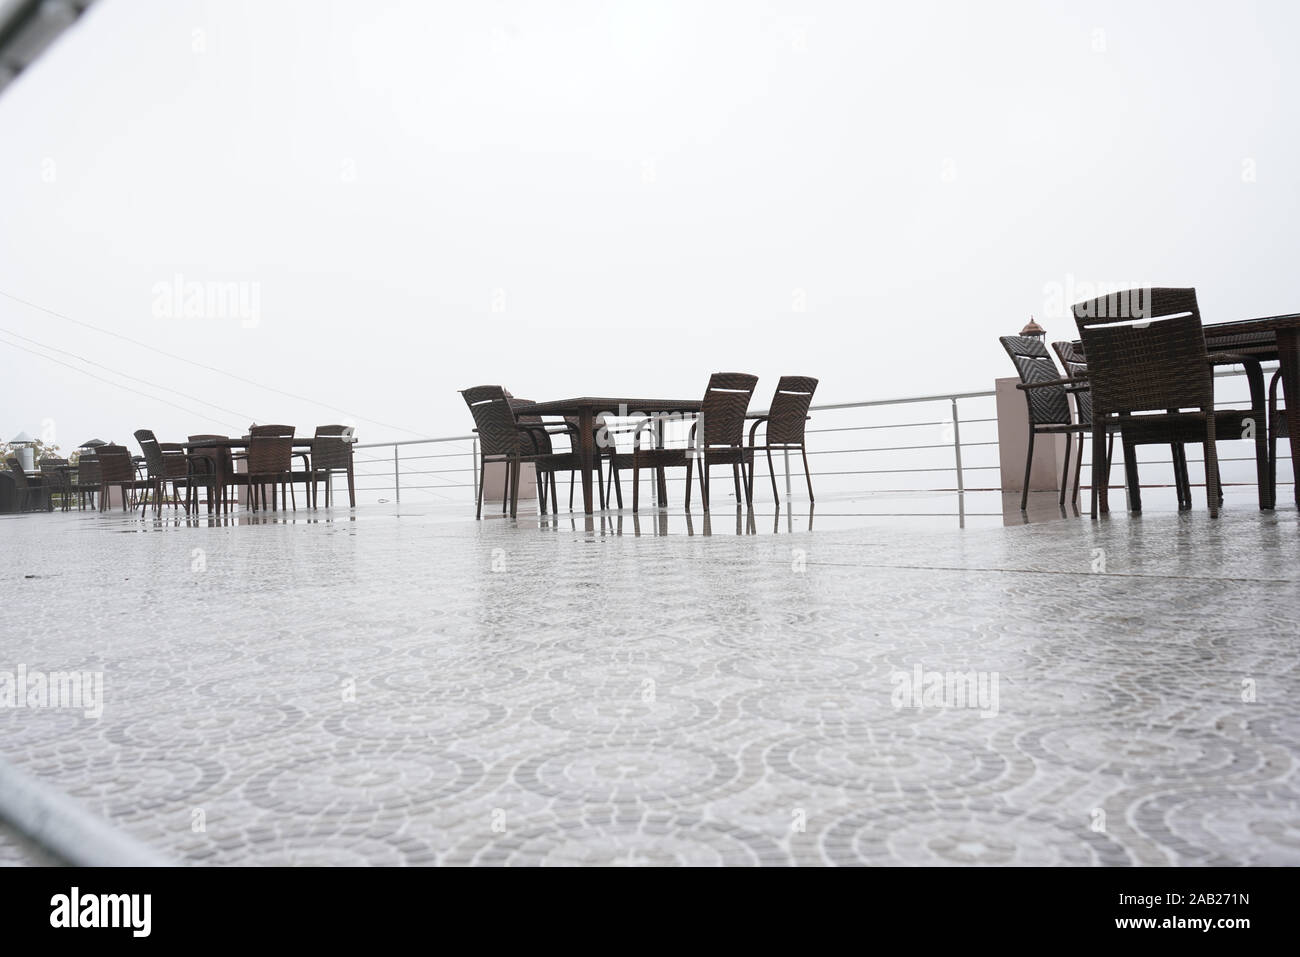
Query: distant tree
point(39, 449)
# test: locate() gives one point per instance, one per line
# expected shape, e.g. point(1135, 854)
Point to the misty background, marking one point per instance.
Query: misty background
point(612, 198)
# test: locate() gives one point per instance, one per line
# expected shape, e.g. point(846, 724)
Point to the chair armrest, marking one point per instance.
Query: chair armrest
point(758, 420)
point(1254, 374)
point(1043, 385)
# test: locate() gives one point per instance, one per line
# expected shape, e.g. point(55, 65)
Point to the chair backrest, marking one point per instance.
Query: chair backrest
point(272, 431)
point(331, 447)
point(726, 401)
point(153, 457)
point(1047, 404)
point(54, 474)
point(20, 477)
point(211, 459)
point(1075, 367)
point(115, 464)
point(270, 454)
point(1146, 351)
point(88, 472)
point(788, 416)
point(494, 420)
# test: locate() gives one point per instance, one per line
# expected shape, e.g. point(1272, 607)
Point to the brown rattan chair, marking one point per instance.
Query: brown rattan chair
point(1148, 367)
point(270, 462)
point(56, 480)
point(27, 486)
point(116, 468)
point(166, 462)
point(1076, 367)
point(88, 481)
point(608, 431)
point(787, 420)
point(331, 452)
point(1048, 404)
point(721, 441)
point(536, 438)
point(503, 440)
point(212, 467)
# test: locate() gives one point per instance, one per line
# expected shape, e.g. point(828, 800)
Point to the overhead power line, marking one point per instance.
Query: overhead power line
point(207, 368)
point(119, 385)
point(125, 375)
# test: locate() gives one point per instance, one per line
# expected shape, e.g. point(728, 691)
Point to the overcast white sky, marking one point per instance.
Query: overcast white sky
point(617, 198)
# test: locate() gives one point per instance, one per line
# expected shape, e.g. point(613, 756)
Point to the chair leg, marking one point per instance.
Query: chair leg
point(1261, 466)
point(600, 485)
point(1029, 461)
point(555, 497)
point(570, 490)
point(1065, 469)
point(482, 473)
point(735, 479)
point(514, 490)
point(1184, 482)
point(636, 486)
point(1131, 480)
point(704, 483)
point(771, 473)
point(1100, 470)
point(1212, 488)
point(1078, 470)
point(690, 469)
point(616, 482)
point(807, 473)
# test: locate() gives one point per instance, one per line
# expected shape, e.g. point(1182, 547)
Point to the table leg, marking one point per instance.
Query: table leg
point(661, 476)
point(1288, 355)
point(587, 453)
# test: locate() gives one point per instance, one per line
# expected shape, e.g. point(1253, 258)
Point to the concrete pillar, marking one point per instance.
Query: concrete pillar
point(1013, 443)
point(494, 482)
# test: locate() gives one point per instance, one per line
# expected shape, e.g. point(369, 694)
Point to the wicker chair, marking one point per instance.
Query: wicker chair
point(1076, 368)
point(56, 480)
point(27, 486)
point(270, 462)
point(503, 440)
point(1158, 366)
point(212, 467)
point(88, 479)
point(726, 400)
point(166, 462)
point(536, 438)
point(1048, 404)
point(608, 432)
point(117, 469)
point(787, 420)
point(331, 451)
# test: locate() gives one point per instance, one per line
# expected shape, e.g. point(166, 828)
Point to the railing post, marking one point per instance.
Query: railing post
point(787, 475)
point(956, 446)
point(397, 475)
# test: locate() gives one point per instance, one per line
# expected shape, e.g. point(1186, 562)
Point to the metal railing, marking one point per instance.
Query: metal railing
point(957, 439)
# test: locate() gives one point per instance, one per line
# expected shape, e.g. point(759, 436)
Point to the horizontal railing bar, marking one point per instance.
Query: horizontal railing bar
point(389, 445)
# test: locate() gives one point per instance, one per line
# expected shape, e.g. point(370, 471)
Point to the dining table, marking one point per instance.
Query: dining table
point(586, 409)
point(1268, 338)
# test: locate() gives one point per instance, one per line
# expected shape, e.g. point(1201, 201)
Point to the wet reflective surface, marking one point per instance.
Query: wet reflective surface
point(399, 684)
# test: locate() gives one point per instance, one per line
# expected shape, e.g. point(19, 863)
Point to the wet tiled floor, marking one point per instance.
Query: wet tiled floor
point(401, 686)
